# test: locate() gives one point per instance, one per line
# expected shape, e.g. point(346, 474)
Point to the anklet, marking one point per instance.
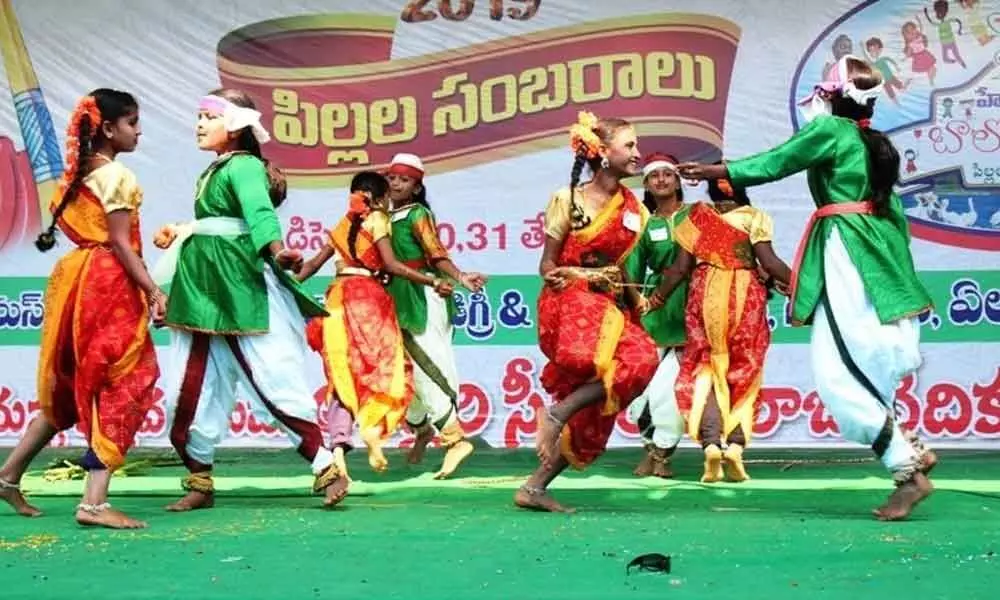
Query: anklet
point(7, 485)
point(904, 475)
point(532, 490)
point(94, 508)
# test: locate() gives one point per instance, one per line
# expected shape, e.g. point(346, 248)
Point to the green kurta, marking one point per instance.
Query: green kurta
point(415, 242)
point(656, 251)
point(836, 159)
point(219, 284)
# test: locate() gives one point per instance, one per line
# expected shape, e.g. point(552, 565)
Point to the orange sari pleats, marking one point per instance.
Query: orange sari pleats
point(363, 355)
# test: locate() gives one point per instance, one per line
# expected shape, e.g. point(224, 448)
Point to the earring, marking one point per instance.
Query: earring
point(604, 163)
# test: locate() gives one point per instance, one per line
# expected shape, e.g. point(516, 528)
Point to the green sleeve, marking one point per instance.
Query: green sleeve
point(812, 145)
point(249, 182)
point(635, 263)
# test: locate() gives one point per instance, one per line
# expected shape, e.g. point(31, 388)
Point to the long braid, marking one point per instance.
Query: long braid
point(578, 219)
point(47, 239)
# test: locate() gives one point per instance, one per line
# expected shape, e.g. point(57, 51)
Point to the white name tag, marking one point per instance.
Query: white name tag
point(400, 215)
point(659, 235)
point(631, 221)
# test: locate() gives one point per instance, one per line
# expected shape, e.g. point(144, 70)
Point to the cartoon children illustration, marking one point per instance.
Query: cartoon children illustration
point(915, 48)
point(886, 66)
point(946, 34)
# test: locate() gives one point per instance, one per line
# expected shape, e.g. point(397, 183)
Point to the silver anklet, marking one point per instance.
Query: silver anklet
point(532, 490)
point(905, 474)
point(7, 485)
point(94, 508)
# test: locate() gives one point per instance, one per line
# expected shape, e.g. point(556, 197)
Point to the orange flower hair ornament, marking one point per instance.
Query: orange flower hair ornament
point(358, 205)
point(582, 138)
point(86, 107)
point(726, 187)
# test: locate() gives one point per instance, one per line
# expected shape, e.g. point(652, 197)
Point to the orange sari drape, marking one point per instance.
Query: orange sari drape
point(725, 324)
point(587, 337)
point(361, 343)
point(97, 365)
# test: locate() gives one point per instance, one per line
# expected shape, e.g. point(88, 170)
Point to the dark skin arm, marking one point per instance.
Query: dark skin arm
point(395, 267)
point(552, 274)
point(119, 228)
point(314, 264)
point(774, 266)
point(672, 277)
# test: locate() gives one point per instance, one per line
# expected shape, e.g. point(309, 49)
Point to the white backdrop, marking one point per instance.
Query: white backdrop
point(705, 81)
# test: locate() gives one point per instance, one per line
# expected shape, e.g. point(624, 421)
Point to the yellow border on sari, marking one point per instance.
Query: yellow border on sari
point(605, 365)
point(58, 292)
point(587, 234)
point(335, 346)
point(566, 449)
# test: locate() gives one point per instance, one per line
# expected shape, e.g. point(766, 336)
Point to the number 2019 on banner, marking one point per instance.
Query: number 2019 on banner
point(419, 11)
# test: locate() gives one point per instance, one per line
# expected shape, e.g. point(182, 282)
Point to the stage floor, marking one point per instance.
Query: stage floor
point(798, 532)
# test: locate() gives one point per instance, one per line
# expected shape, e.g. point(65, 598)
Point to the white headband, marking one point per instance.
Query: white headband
point(235, 117)
point(658, 164)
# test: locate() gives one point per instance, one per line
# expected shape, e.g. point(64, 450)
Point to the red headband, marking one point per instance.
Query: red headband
point(406, 171)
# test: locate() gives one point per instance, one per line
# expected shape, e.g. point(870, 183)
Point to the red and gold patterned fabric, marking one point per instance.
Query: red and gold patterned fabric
point(97, 366)
point(360, 342)
point(585, 335)
point(725, 323)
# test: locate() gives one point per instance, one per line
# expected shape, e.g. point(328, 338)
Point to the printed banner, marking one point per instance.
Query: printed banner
point(484, 92)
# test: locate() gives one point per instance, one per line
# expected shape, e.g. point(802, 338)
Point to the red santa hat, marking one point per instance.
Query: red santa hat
point(408, 165)
point(658, 160)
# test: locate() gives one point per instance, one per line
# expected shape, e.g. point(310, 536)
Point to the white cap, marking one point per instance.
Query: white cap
point(657, 164)
point(410, 160)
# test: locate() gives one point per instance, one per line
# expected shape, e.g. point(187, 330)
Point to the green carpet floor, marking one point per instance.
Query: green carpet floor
point(794, 531)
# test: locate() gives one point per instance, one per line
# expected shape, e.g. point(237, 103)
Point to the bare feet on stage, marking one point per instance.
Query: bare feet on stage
point(424, 436)
point(11, 494)
point(373, 440)
point(732, 462)
point(905, 498)
point(194, 500)
point(102, 515)
point(532, 498)
point(713, 465)
point(654, 464)
point(547, 442)
point(340, 461)
point(337, 491)
point(453, 458)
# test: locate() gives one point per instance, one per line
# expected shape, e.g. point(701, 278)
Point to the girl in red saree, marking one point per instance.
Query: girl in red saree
point(361, 342)
point(599, 359)
point(97, 366)
point(723, 246)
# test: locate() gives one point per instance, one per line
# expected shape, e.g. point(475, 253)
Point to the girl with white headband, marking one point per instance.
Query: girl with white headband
point(236, 315)
point(853, 277)
point(425, 316)
point(655, 411)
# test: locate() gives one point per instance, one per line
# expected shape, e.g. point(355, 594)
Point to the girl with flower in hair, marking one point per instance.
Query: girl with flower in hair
point(361, 343)
point(854, 279)
point(599, 360)
point(97, 366)
point(655, 410)
point(722, 247)
point(235, 313)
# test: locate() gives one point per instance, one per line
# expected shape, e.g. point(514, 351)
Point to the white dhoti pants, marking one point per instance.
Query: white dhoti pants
point(655, 410)
point(430, 401)
point(858, 361)
point(206, 371)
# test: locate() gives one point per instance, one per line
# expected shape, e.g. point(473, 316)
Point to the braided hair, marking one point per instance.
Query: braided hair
point(82, 142)
point(376, 185)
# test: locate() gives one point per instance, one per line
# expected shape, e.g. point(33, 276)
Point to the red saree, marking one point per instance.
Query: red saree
point(97, 365)
point(725, 322)
point(586, 337)
point(360, 342)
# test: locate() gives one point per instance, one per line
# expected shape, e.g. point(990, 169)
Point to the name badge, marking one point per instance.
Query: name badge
point(631, 221)
point(400, 215)
point(659, 235)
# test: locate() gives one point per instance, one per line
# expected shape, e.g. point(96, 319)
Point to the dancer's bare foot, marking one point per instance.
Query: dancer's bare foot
point(424, 436)
point(340, 461)
point(532, 498)
point(453, 458)
point(733, 464)
point(713, 465)
point(102, 515)
point(373, 440)
point(193, 500)
point(547, 441)
point(336, 492)
point(905, 498)
point(656, 463)
point(645, 466)
point(11, 494)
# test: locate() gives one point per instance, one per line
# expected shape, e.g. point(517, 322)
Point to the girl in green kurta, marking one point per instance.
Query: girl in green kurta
point(853, 278)
point(236, 315)
point(426, 318)
point(655, 411)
